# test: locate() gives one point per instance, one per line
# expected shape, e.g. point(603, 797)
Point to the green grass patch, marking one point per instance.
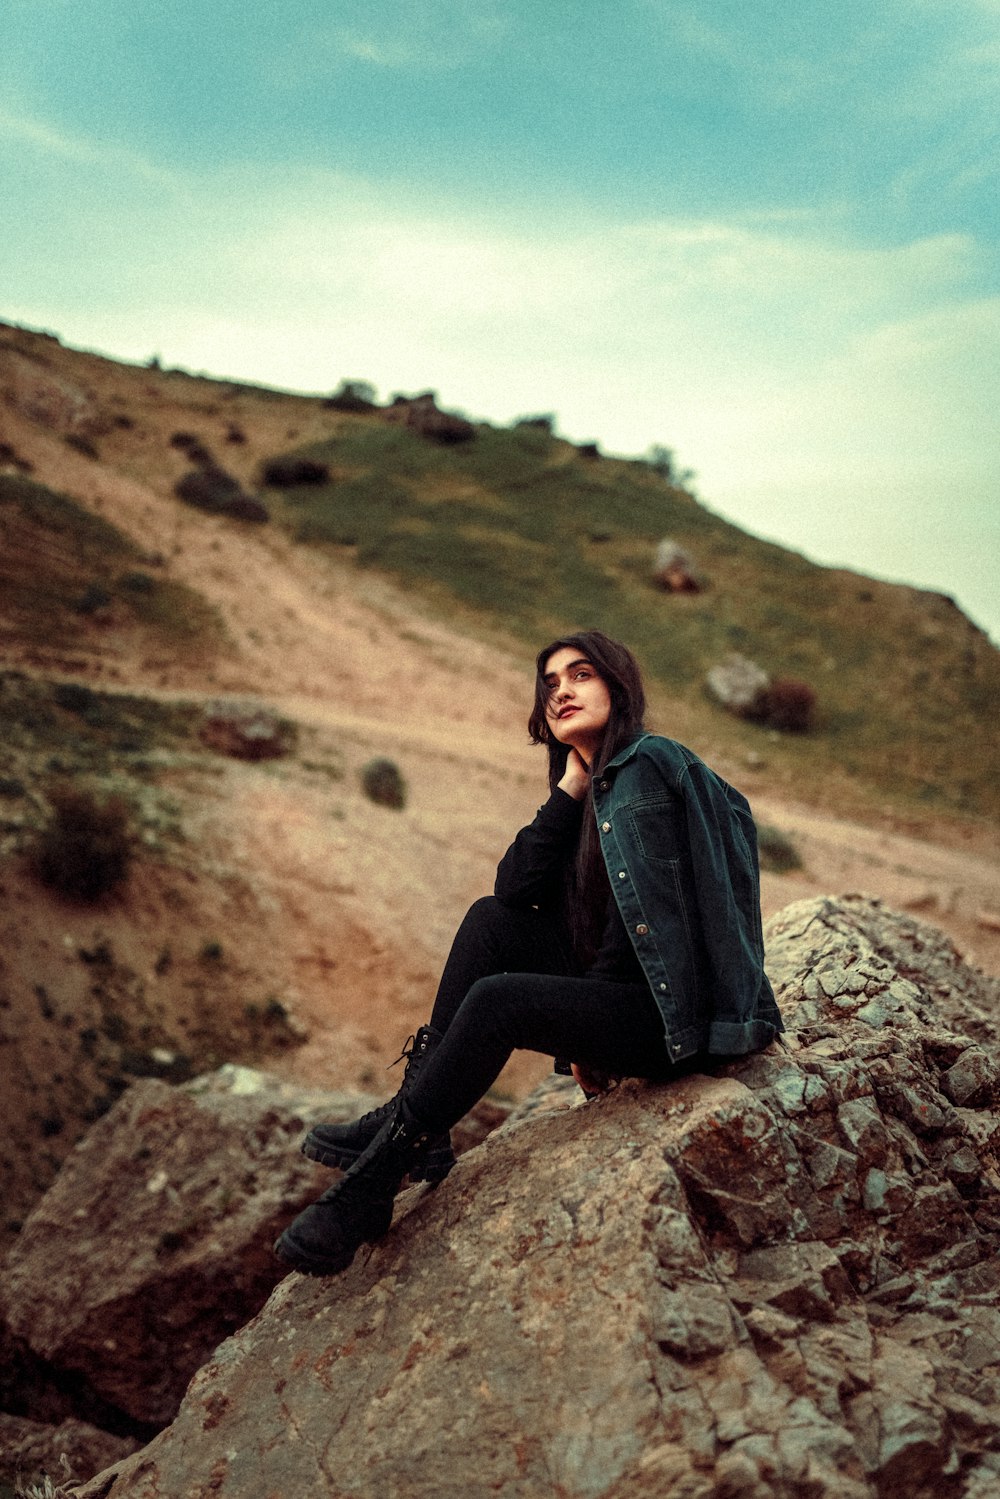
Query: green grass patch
point(518, 533)
point(62, 566)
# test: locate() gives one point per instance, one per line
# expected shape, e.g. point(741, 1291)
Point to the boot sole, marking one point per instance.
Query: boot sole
point(306, 1264)
point(434, 1167)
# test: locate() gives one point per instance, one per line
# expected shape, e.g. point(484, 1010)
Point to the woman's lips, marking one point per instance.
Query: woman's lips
point(565, 712)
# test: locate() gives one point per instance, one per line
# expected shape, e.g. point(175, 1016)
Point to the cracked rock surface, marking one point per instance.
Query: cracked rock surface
point(773, 1281)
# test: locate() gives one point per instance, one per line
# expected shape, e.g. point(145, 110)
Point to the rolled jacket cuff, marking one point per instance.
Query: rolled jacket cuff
point(736, 1038)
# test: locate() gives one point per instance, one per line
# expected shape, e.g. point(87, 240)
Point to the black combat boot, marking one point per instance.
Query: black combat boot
point(356, 1210)
point(342, 1144)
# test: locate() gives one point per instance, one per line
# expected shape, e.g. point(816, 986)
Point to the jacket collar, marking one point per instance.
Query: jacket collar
point(625, 755)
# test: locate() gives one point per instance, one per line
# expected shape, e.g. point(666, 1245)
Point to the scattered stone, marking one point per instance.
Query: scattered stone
point(247, 731)
point(739, 685)
point(73, 1451)
point(674, 568)
point(423, 416)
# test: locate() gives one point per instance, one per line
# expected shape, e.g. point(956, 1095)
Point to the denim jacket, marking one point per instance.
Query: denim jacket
point(681, 853)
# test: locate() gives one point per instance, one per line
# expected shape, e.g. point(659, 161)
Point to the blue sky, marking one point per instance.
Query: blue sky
point(766, 236)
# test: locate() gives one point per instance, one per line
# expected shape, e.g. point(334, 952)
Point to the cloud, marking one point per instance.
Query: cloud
point(103, 157)
point(422, 36)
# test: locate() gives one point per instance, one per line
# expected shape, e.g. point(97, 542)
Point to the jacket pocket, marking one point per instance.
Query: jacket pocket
point(654, 828)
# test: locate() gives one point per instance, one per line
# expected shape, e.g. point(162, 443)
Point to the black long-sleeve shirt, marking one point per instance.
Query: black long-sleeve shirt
point(533, 873)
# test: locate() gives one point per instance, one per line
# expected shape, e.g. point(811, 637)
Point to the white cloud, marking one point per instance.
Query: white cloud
point(423, 36)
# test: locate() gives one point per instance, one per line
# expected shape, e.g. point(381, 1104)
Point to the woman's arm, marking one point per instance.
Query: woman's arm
point(530, 872)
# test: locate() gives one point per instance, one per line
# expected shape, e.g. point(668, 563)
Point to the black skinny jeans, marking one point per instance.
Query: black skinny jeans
point(510, 983)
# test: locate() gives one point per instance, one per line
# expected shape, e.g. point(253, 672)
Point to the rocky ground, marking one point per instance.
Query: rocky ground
point(773, 1280)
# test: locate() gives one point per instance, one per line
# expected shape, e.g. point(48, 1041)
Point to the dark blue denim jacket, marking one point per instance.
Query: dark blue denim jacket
point(681, 852)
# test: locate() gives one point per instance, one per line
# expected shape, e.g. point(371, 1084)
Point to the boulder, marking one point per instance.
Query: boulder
point(46, 398)
point(674, 568)
point(246, 731)
point(423, 416)
point(31, 1451)
point(740, 685)
point(776, 1279)
point(154, 1242)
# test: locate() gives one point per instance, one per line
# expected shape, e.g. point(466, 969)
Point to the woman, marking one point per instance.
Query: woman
point(624, 935)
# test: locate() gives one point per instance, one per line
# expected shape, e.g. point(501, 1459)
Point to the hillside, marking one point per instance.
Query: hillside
point(272, 911)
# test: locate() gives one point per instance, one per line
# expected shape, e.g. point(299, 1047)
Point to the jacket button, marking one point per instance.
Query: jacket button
point(621, 874)
point(642, 930)
point(605, 827)
point(604, 785)
point(663, 988)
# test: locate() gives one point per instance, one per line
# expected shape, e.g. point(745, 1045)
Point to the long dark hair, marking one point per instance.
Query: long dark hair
point(586, 893)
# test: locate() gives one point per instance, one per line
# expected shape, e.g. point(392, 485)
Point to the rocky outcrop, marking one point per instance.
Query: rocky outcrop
point(774, 1281)
point(424, 416)
point(674, 568)
point(31, 1451)
point(154, 1243)
point(247, 731)
point(739, 685)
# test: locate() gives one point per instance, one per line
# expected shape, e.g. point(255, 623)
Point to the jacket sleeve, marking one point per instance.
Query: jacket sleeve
point(530, 872)
point(724, 866)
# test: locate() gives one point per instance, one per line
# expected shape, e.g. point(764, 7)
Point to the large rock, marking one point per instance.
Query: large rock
point(31, 1451)
point(154, 1242)
point(776, 1281)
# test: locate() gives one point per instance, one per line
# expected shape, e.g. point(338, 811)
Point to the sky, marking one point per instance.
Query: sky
point(765, 236)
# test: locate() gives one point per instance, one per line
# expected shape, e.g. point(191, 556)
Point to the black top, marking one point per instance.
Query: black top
point(533, 873)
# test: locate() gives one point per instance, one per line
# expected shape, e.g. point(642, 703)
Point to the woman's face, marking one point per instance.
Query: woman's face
point(579, 703)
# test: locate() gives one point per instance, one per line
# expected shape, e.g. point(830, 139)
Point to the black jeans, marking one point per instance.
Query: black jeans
point(509, 983)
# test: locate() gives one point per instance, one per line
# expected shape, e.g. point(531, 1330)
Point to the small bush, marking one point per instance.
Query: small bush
point(789, 705)
point(778, 853)
point(82, 444)
point(217, 492)
point(85, 849)
point(285, 473)
point(383, 783)
point(94, 597)
point(352, 395)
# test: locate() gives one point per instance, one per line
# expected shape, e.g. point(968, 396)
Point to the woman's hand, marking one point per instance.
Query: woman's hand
point(576, 777)
point(590, 1080)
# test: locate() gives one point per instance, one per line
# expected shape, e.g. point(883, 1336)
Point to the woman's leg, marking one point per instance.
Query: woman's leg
point(494, 938)
point(613, 1027)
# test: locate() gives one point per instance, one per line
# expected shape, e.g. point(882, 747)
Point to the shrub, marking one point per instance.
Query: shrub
point(383, 783)
point(285, 473)
point(94, 597)
point(352, 395)
point(82, 444)
point(778, 853)
point(217, 492)
point(788, 705)
point(192, 445)
point(85, 849)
